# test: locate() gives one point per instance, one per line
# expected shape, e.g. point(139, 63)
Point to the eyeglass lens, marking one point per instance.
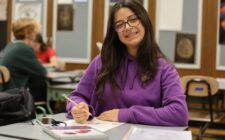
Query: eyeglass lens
point(132, 22)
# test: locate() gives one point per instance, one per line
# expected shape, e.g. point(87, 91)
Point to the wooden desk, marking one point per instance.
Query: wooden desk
point(34, 132)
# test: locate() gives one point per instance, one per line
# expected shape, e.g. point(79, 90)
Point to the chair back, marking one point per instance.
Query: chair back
point(199, 86)
point(4, 76)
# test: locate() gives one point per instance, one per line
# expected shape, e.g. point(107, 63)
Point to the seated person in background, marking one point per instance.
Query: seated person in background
point(131, 81)
point(19, 57)
point(45, 54)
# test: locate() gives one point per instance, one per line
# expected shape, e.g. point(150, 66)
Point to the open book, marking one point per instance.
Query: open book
point(74, 133)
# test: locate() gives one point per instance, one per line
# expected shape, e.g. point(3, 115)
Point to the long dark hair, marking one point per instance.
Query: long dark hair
point(113, 49)
point(40, 40)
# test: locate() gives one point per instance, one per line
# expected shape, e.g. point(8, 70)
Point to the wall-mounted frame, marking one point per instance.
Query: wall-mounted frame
point(178, 31)
point(36, 9)
point(72, 30)
point(110, 3)
point(220, 63)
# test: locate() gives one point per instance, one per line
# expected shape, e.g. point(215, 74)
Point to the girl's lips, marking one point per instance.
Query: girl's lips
point(130, 35)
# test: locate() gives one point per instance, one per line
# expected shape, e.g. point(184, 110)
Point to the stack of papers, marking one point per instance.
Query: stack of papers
point(136, 133)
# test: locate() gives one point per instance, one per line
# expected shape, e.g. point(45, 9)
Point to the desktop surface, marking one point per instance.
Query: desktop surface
point(26, 130)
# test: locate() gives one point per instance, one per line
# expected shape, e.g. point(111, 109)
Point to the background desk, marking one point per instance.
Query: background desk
point(34, 132)
point(55, 92)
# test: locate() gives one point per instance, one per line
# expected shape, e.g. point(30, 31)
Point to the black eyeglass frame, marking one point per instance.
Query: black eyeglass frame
point(124, 23)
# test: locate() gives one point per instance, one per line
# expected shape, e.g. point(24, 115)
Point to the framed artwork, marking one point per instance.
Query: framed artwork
point(222, 22)
point(36, 9)
point(28, 10)
point(72, 28)
point(220, 57)
point(185, 48)
point(179, 37)
point(65, 17)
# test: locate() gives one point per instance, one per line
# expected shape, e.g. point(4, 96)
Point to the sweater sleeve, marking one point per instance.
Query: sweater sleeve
point(33, 66)
point(173, 111)
point(85, 88)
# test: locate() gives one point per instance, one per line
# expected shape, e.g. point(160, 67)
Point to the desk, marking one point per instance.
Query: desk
point(67, 76)
point(61, 83)
point(29, 131)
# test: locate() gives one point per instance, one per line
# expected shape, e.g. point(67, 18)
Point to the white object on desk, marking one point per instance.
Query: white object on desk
point(135, 133)
point(74, 133)
point(221, 82)
point(97, 124)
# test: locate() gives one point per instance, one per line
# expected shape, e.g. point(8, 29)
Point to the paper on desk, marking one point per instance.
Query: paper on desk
point(97, 124)
point(135, 133)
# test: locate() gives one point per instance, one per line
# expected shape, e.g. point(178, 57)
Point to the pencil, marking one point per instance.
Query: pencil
point(69, 99)
point(75, 103)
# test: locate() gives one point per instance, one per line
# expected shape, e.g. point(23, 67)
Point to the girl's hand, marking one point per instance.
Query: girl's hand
point(80, 112)
point(111, 115)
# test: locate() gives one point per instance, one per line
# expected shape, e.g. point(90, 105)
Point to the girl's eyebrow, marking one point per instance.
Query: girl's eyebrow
point(126, 18)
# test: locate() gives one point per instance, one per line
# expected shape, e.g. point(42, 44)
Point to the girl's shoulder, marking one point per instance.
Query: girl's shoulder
point(164, 62)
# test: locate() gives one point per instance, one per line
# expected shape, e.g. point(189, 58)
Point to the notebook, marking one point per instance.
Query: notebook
point(74, 133)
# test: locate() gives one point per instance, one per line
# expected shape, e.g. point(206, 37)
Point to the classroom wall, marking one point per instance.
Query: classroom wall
point(209, 34)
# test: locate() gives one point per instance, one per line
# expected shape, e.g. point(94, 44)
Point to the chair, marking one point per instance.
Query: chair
point(5, 76)
point(205, 90)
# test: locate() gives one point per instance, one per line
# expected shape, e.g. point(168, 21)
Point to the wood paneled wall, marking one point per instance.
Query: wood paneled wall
point(209, 34)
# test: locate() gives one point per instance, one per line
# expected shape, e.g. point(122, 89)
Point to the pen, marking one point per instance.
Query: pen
point(75, 103)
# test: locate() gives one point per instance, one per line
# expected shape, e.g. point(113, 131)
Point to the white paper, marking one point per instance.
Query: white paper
point(3, 10)
point(97, 124)
point(170, 14)
point(65, 1)
point(79, 1)
point(156, 134)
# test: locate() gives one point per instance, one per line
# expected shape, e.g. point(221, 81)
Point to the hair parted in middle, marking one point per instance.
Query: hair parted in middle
point(113, 49)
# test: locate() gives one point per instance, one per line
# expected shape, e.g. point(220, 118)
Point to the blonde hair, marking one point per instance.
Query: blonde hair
point(25, 26)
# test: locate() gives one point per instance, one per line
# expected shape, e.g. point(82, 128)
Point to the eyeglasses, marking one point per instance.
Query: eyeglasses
point(132, 21)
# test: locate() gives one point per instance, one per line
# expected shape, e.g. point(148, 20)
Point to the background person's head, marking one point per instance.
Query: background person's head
point(25, 29)
point(39, 44)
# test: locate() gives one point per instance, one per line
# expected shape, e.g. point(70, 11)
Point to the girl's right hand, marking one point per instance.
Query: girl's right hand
point(80, 112)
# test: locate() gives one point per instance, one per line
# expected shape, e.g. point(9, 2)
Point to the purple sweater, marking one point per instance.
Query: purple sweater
point(161, 102)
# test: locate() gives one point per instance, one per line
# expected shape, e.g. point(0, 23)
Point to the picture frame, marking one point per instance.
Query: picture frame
point(36, 9)
point(220, 50)
point(221, 23)
point(187, 23)
point(185, 48)
point(65, 16)
point(72, 42)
